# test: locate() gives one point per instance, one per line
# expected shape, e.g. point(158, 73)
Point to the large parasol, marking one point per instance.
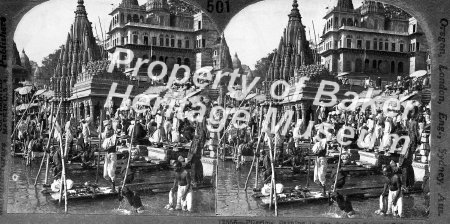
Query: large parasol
point(24, 90)
point(418, 74)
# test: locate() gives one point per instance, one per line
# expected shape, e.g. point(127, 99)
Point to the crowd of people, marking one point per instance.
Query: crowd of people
point(373, 133)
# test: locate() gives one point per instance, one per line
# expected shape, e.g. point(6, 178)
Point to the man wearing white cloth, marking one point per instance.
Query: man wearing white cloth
point(321, 164)
point(109, 144)
point(182, 200)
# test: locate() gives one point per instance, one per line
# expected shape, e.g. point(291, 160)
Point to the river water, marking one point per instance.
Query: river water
point(23, 197)
point(232, 200)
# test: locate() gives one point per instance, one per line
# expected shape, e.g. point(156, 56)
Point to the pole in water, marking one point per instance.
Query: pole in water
point(40, 168)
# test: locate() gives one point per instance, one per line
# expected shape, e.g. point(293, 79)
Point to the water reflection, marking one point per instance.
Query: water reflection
point(23, 197)
point(232, 200)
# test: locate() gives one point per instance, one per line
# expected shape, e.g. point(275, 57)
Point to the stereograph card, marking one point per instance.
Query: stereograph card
point(224, 111)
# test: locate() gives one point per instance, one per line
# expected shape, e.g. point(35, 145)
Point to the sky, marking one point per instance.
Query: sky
point(252, 33)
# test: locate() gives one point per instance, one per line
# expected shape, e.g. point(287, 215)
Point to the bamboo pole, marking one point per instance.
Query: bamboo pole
point(99, 146)
point(254, 157)
point(129, 151)
point(40, 168)
point(46, 167)
point(47, 147)
point(340, 154)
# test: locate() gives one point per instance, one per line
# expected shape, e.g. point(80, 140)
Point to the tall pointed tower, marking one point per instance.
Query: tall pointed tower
point(293, 51)
point(80, 48)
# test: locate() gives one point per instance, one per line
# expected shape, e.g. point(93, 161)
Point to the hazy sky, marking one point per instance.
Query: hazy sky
point(252, 33)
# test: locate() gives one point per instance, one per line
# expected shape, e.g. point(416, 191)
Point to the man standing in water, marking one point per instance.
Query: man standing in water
point(183, 189)
point(391, 200)
point(195, 151)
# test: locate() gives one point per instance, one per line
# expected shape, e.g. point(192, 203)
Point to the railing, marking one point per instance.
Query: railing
point(171, 28)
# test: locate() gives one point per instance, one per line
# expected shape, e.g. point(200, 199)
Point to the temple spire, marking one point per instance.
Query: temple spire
point(294, 11)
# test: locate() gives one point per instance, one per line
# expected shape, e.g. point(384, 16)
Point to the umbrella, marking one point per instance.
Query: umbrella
point(342, 74)
point(260, 97)
point(418, 74)
point(145, 100)
point(48, 94)
point(250, 96)
point(24, 90)
point(409, 97)
point(39, 92)
point(130, 70)
point(26, 83)
point(191, 94)
point(238, 95)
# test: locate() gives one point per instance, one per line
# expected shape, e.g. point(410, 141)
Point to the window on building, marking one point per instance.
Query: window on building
point(401, 47)
point(380, 45)
point(414, 28)
point(349, 22)
point(154, 41)
point(349, 43)
point(336, 44)
point(203, 43)
point(179, 43)
point(161, 40)
point(417, 46)
point(375, 44)
point(366, 64)
point(386, 46)
point(145, 40)
point(167, 40)
point(393, 47)
point(135, 37)
point(374, 64)
point(172, 41)
point(199, 25)
point(359, 44)
point(186, 44)
point(400, 67)
point(215, 52)
point(367, 44)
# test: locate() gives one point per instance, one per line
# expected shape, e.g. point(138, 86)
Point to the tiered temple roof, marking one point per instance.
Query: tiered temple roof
point(293, 50)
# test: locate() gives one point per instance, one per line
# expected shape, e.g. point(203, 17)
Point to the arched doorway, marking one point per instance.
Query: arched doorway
point(400, 67)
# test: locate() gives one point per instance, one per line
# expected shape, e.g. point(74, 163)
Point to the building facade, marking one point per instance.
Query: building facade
point(172, 33)
point(159, 31)
point(374, 39)
point(294, 59)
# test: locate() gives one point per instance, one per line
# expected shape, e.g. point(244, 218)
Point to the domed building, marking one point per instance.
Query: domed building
point(21, 68)
point(170, 31)
point(237, 63)
point(375, 39)
point(25, 61)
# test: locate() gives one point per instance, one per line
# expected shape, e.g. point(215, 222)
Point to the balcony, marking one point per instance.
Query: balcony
point(152, 26)
point(361, 29)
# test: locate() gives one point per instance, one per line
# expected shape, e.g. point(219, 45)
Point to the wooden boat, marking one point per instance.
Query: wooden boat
point(304, 195)
point(80, 192)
